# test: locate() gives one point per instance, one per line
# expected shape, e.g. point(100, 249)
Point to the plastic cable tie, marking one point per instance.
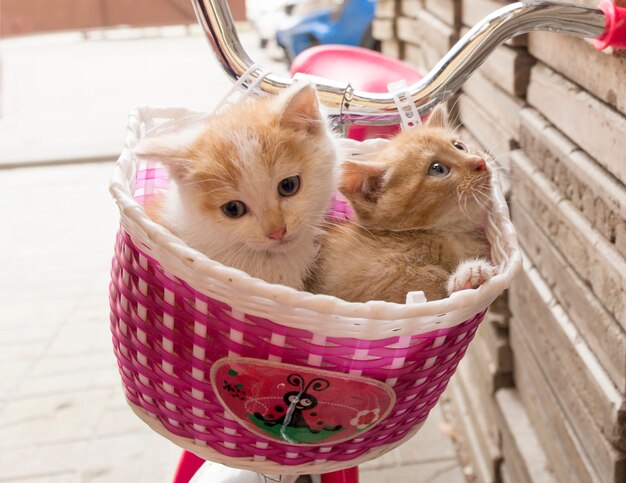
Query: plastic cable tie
point(176, 124)
point(253, 87)
point(318, 81)
point(406, 108)
point(304, 77)
point(244, 86)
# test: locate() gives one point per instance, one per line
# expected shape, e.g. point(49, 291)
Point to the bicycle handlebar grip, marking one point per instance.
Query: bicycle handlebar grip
point(614, 34)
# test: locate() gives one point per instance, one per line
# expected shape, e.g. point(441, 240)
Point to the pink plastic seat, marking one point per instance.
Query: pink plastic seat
point(364, 69)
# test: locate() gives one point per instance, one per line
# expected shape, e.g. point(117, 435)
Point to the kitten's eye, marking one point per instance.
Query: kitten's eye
point(438, 169)
point(234, 209)
point(460, 146)
point(289, 186)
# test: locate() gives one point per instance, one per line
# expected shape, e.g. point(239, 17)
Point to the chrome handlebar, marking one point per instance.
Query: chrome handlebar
point(359, 107)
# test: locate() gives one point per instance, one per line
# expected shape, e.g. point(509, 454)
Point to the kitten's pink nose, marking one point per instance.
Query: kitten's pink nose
point(278, 234)
point(481, 165)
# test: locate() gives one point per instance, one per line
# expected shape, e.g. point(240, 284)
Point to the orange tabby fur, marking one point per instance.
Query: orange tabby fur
point(242, 154)
point(413, 230)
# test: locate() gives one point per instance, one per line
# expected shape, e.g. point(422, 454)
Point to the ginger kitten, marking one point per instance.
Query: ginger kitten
point(420, 209)
point(252, 186)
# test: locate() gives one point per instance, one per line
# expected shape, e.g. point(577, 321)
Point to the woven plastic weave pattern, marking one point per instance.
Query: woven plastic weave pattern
point(167, 335)
point(169, 332)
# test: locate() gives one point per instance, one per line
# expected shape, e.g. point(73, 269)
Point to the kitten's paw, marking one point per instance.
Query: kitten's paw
point(471, 274)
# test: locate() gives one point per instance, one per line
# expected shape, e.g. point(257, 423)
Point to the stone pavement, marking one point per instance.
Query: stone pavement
point(66, 97)
point(62, 413)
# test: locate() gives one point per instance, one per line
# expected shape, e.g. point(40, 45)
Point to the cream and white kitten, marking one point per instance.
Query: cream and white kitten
point(252, 187)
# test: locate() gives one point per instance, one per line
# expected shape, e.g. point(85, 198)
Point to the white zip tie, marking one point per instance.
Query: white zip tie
point(402, 98)
point(245, 86)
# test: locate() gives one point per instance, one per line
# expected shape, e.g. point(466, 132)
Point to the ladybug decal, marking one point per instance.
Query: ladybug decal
point(297, 402)
point(299, 405)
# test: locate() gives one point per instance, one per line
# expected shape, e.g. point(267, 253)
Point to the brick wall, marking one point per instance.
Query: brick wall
point(540, 395)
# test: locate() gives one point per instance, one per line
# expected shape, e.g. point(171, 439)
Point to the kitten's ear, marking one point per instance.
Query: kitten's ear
point(300, 109)
point(438, 117)
point(172, 150)
point(361, 180)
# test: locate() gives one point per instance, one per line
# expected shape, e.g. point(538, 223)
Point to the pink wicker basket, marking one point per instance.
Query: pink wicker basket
point(178, 317)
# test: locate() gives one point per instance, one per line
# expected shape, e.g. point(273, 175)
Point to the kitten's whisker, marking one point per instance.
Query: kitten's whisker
point(480, 203)
point(201, 181)
point(465, 208)
point(455, 115)
point(485, 193)
point(504, 173)
point(218, 253)
point(462, 202)
point(276, 147)
point(496, 145)
point(242, 253)
point(356, 235)
point(403, 230)
point(351, 222)
point(201, 194)
point(352, 240)
point(345, 243)
point(495, 165)
point(485, 205)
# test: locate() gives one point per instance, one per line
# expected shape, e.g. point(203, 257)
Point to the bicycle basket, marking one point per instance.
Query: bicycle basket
point(211, 358)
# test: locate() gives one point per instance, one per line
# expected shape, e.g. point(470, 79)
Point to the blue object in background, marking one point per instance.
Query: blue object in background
point(350, 24)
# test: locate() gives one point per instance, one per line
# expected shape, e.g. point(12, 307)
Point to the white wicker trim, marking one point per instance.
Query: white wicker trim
point(323, 314)
point(263, 466)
